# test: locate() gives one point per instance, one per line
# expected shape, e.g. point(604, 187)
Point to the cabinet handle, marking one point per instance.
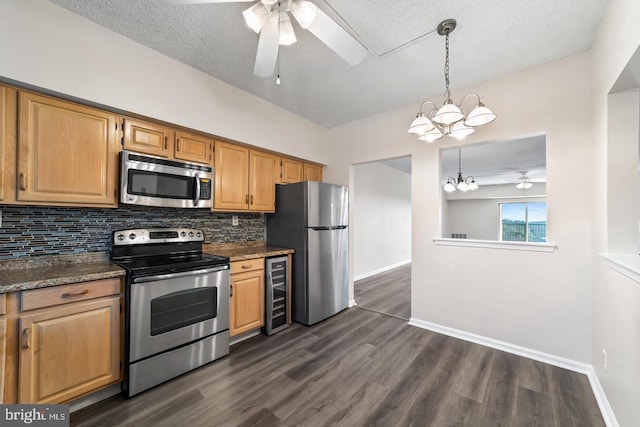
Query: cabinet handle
point(165, 142)
point(252, 199)
point(231, 290)
point(178, 145)
point(246, 267)
point(23, 182)
point(246, 199)
point(75, 293)
point(25, 338)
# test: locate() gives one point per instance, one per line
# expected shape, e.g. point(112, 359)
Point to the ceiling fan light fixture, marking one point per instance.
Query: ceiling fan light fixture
point(304, 12)
point(524, 184)
point(286, 35)
point(255, 16)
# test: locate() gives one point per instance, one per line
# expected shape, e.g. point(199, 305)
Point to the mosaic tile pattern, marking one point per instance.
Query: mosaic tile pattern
point(32, 231)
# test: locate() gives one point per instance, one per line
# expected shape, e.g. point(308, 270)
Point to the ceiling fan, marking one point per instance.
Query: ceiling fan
point(270, 18)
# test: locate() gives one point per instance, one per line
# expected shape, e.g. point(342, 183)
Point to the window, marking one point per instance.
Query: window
point(523, 222)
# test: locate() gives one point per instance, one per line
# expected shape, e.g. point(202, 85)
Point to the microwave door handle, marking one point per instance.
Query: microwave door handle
point(196, 200)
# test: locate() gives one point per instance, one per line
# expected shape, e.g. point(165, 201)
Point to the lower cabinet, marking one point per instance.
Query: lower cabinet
point(247, 296)
point(69, 341)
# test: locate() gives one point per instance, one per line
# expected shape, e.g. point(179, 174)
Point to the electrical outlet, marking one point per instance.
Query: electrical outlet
point(234, 220)
point(604, 359)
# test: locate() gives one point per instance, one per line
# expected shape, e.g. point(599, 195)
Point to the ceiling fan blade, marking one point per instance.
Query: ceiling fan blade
point(267, 53)
point(208, 1)
point(334, 36)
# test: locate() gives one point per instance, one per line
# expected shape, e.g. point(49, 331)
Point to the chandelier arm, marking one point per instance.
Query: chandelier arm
point(435, 107)
point(470, 94)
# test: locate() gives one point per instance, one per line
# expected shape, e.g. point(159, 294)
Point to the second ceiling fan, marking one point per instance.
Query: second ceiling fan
point(270, 18)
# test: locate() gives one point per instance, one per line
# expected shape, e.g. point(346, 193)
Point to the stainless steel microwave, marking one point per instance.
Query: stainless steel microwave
point(156, 181)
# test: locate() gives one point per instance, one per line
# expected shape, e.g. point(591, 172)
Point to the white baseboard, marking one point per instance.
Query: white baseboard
point(380, 270)
point(562, 362)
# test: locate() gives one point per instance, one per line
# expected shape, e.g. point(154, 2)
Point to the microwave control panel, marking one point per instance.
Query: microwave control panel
point(205, 189)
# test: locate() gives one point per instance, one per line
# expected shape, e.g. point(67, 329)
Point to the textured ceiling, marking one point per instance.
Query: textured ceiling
point(493, 38)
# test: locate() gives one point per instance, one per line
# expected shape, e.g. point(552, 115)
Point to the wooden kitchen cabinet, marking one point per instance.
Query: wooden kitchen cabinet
point(245, 179)
point(7, 143)
point(193, 148)
point(291, 170)
point(148, 138)
point(247, 296)
point(69, 340)
point(67, 153)
point(312, 172)
point(262, 190)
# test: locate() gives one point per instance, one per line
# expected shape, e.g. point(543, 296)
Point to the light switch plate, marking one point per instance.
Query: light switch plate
point(234, 220)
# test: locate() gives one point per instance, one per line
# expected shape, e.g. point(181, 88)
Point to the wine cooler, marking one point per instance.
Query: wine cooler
point(276, 295)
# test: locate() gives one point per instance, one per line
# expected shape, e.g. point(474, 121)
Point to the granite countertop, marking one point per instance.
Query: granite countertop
point(44, 271)
point(244, 251)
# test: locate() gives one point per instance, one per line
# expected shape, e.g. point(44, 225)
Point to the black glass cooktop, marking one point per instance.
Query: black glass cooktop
point(170, 263)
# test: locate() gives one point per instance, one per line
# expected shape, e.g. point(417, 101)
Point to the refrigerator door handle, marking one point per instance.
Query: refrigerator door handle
point(325, 228)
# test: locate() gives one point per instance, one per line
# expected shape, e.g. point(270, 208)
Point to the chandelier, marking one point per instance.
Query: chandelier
point(450, 119)
point(463, 184)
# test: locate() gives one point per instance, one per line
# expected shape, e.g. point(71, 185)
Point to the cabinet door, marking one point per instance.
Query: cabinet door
point(67, 153)
point(3, 352)
point(247, 302)
point(291, 170)
point(232, 177)
point(3, 156)
point(68, 351)
point(193, 148)
point(148, 138)
point(262, 186)
point(312, 172)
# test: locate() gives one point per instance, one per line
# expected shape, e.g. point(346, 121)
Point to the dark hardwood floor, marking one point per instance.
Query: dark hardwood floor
point(387, 293)
point(359, 368)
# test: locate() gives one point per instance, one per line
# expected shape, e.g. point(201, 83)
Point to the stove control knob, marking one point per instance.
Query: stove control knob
point(120, 237)
point(183, 234)
point(191, 234)
point(132, 236)
point(198, 234)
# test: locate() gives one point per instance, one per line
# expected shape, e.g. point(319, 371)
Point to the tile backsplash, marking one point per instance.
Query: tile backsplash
point(33, 230)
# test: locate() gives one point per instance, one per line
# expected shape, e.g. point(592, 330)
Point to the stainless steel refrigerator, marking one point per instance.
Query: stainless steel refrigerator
point(312, 218)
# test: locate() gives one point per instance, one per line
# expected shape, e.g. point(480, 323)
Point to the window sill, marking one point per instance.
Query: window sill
point(511, 246)
point(627, 265)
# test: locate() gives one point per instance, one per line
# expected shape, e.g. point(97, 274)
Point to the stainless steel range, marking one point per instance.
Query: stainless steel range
point(177, 304)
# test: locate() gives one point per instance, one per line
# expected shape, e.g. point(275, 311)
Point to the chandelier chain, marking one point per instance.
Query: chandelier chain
point(447, 94)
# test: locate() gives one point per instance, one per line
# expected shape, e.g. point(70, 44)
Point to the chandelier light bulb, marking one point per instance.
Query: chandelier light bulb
point(448, 114)
point(480, 116)
point(420, 125)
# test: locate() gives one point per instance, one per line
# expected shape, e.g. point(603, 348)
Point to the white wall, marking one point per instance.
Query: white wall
point(536, 300)
point(381, 218)
point(44, 45)
point(616, 298)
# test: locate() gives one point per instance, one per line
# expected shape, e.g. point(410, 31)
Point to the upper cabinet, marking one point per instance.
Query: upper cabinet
point(163, 141)
point(148, 138)
point(291, 170)
point(232, 177)
point(295, 171)
point(312, 172)
point(67, 153)
point(245, 179)
point(7, 143)
point(193, 148)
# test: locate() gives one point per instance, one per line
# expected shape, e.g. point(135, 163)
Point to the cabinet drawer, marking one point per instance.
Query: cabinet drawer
point(247, 265)
point(3, 303)
point(64, 294)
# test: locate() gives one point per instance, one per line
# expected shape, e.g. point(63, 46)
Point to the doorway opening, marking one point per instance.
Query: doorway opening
point(382, 236)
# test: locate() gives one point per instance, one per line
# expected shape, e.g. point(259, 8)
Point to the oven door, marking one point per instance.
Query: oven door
point(170, 310)
point(153, 181)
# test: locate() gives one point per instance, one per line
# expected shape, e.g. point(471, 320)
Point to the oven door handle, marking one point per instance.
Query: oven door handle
point(145, 279)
